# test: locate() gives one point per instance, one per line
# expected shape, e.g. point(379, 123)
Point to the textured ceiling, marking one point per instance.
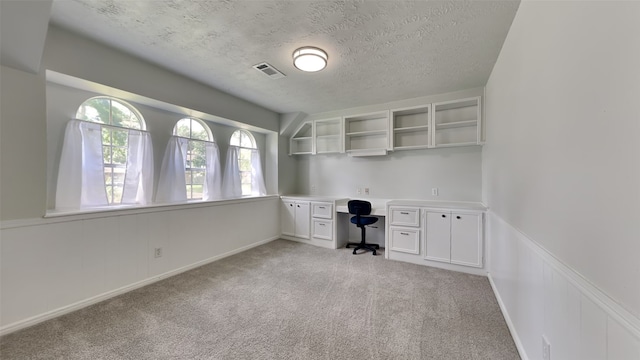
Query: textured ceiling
point(379, 51)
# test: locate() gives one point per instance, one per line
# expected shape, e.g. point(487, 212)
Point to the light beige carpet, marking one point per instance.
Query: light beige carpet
point(284, 300)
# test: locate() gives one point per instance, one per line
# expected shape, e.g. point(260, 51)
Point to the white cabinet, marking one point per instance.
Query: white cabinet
point(302, 220)
point(404, 229)
point(410, 128)
point(457, 123)
point(322, 229)
point(288, 217)
point(302, 140)
point(313, 220)
point(328, 136)
point(454, 237)
point(367, 134)
point(295, 218)
point(321, 217)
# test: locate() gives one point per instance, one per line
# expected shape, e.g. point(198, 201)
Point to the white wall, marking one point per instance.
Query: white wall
point(22, 144)
point(409, 174)
point(561, 175)
point(74, 55)
point(53, 266)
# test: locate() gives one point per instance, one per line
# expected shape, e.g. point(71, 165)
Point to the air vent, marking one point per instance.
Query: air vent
point(269, 70)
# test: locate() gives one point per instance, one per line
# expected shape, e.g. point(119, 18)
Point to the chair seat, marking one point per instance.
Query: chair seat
point(364, 220)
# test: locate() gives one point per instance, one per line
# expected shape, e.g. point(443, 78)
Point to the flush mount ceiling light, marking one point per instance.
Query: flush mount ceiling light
point(310, 59)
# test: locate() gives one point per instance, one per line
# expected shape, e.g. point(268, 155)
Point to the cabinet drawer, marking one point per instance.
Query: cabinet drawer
point(404, 240)
point(404, 216)
point(323, 229)
point(322, 210)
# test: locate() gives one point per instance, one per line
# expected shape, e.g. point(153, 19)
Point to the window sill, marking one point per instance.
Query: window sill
point(53, 216)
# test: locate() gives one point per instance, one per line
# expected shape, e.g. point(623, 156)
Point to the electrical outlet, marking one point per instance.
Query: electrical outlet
point(434, 191)
point(359, 191)
point(546, 349)
point(366, 191)
point(157, 252)
point(313, 189)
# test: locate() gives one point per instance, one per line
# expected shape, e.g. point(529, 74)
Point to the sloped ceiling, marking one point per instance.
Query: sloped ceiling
point(379, 51)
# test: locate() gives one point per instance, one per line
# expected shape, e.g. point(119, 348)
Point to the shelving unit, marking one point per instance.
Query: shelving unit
point(442, 124)
point(457, 123)
point(367, 134)
point(328, 136)
point(410, 128)
point(302, 140)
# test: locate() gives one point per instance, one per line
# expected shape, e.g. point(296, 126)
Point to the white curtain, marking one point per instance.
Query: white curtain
point(138, 181)
point(172, 186)
point(257, 178)
point(213, 178)
point(81, 173)
point(231, 185)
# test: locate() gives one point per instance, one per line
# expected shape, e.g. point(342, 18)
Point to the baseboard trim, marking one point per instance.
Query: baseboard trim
point(22, 324)
point(588, 289)
point(507, 319)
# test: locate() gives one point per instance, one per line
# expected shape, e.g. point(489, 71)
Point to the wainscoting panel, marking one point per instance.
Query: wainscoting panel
point(541, 296)
point(52, 266)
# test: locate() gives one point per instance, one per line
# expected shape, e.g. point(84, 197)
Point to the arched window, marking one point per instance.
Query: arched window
point(107, 158)
point(191, 165)
point(196, 161)
point(243, 175)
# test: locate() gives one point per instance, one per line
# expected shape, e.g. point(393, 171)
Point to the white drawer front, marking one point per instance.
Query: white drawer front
point(323, 229)
point(404, 216)
point(322, 210)
point(405, 240)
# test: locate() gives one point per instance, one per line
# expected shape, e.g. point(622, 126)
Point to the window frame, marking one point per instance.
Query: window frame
point(111, 128)
point(189, 170)
point(242, 150)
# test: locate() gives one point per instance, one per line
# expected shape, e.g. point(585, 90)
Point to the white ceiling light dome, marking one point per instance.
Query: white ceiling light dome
point(310, 59)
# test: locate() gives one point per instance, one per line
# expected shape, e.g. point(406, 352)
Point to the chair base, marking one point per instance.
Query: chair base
point(363, 245)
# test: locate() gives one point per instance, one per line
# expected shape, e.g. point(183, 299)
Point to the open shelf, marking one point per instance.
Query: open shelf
point(457, 123)
point(328, 136)
point(367, 134)
point(411, 127)
point(302, 140)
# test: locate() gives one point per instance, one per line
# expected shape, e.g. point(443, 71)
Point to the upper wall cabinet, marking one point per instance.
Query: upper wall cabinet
point(302, 140)
point(410, 128)
point(457, 123)
point(367, 134)
point(441, 124)
point(328, 136)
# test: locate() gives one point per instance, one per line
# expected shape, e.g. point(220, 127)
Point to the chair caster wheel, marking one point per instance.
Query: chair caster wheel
point(374, 253)
point(354, 251)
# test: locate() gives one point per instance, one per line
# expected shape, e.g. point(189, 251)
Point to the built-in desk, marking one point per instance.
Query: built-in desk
point(375, 232)
point(445, 234)
point(378, 206)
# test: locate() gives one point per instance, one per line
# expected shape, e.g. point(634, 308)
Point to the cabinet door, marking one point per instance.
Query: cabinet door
point(302, 219)
point(287, 218)
point(466, 239)
point(438, 238)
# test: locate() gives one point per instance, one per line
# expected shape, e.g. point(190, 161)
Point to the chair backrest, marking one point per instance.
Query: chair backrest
point(359, 207)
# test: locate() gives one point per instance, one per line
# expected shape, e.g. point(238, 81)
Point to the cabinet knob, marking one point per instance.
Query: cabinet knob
point(457, 217)
point(290, 204)
point(444, 216)
point(298, 205)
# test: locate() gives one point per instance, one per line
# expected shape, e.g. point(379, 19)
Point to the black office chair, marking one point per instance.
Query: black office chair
point(359, 208)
